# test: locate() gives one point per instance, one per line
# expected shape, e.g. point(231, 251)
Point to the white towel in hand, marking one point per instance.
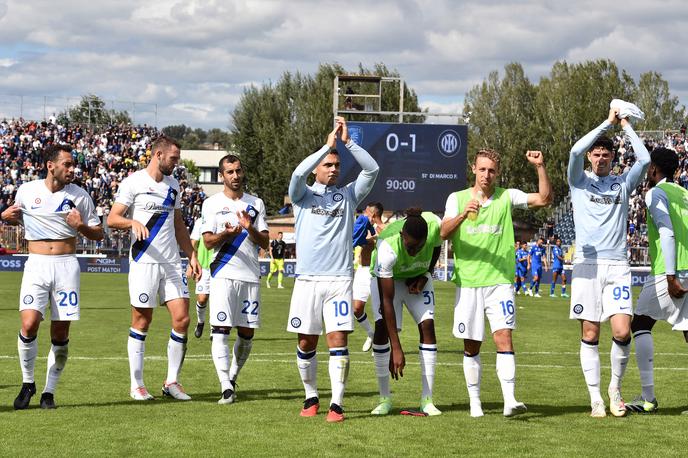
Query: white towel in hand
point(627, 109)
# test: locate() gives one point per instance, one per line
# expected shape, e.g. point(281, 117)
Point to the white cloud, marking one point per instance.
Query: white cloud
point(193, 58)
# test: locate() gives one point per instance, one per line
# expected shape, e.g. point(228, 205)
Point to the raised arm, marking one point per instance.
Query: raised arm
point(297, 185)
point(544, 196)
point(642, 157)
point(577, 159)
point(366, 179)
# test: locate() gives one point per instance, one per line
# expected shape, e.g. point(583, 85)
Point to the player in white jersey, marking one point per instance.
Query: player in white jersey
point(322, 292)
point(148, 204)
point(234, 226)
point(203, 285)
point(53, 211)
point(663, 296)
point(601, 285)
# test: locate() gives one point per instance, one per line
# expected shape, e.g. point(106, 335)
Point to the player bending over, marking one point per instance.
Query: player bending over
point(403, 262)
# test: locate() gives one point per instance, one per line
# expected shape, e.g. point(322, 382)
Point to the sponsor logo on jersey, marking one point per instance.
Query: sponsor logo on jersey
point(143, 298)
point(295, 322)
point(221, 316)
point(336, 213)
point(151, 206)
point(578, 309)
point(28, 299)
point(484, 229)
point(606, 200)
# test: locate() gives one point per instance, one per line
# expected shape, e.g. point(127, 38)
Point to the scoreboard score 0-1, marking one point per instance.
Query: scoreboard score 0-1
point(420, 164)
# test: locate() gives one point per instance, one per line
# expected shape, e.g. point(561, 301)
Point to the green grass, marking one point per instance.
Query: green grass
point(97, 417)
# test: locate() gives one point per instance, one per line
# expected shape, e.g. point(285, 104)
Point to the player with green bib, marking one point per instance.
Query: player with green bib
point(663, 296)
point(402, 263)
point(478, 223)
point(205, 257)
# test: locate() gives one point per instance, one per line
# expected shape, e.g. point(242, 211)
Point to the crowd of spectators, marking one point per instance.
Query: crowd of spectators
point(103, 158)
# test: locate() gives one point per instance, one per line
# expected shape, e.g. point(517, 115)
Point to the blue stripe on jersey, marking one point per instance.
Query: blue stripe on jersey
point(229, 249)
point(154, 225)
point(66, 205)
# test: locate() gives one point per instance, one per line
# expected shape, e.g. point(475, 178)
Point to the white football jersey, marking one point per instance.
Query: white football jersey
point(237, 259)
point(152, 204)
point(45, 213)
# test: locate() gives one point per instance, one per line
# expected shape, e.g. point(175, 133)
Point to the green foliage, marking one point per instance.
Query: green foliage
point(93, 111)
point(512, 115)
point(191, 138)
point(191, 168)
point(276, 125)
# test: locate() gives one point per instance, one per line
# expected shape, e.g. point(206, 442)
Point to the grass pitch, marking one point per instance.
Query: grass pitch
point(95, 415)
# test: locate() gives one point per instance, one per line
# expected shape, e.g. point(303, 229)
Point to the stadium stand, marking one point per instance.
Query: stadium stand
point(104, 157)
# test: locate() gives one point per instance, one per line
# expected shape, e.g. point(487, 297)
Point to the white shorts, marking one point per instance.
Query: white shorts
point(53, 280)
point(315, 301)
point(655, 302)
point(362, 279)
point(473, 304)
point(164, 280)
point(203, 285)
point(420, 306)
point(600, 290)
point(234, 303)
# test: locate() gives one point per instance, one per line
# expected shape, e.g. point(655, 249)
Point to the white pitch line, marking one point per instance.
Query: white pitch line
point(257, 359)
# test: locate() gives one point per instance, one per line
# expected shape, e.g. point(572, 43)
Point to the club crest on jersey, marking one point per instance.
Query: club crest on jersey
point(578, 309)
point(143, 298)
point(221, 316)
point(616, 186)
point(66, 205)
point(338, 197)
point(28, 299)
point(295, 322)
point(462, 328)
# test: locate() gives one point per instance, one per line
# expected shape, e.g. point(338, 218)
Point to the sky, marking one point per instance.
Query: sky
point(188, 62)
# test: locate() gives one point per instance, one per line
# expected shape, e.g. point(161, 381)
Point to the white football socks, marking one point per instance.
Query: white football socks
point(644, 355)
point(242, 348)
point(219, 350)
point(365, 324)
point(28, 349)
point(307, 362)
point(200, 312)
point(339, 372)
point(427, 356)
point(506, 372)
point(381, 355)
point(57, 358)
point(619, 355)
point(136, 348)
point(472, 372)
point(590, 363)
point(176, 350)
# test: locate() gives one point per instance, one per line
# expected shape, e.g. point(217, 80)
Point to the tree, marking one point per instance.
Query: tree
point(278, 124)
point(92, 110)
point(511, 115)
point(198, 138)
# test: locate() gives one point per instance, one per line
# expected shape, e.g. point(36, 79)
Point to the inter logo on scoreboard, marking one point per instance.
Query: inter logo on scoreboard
point(449, 143)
